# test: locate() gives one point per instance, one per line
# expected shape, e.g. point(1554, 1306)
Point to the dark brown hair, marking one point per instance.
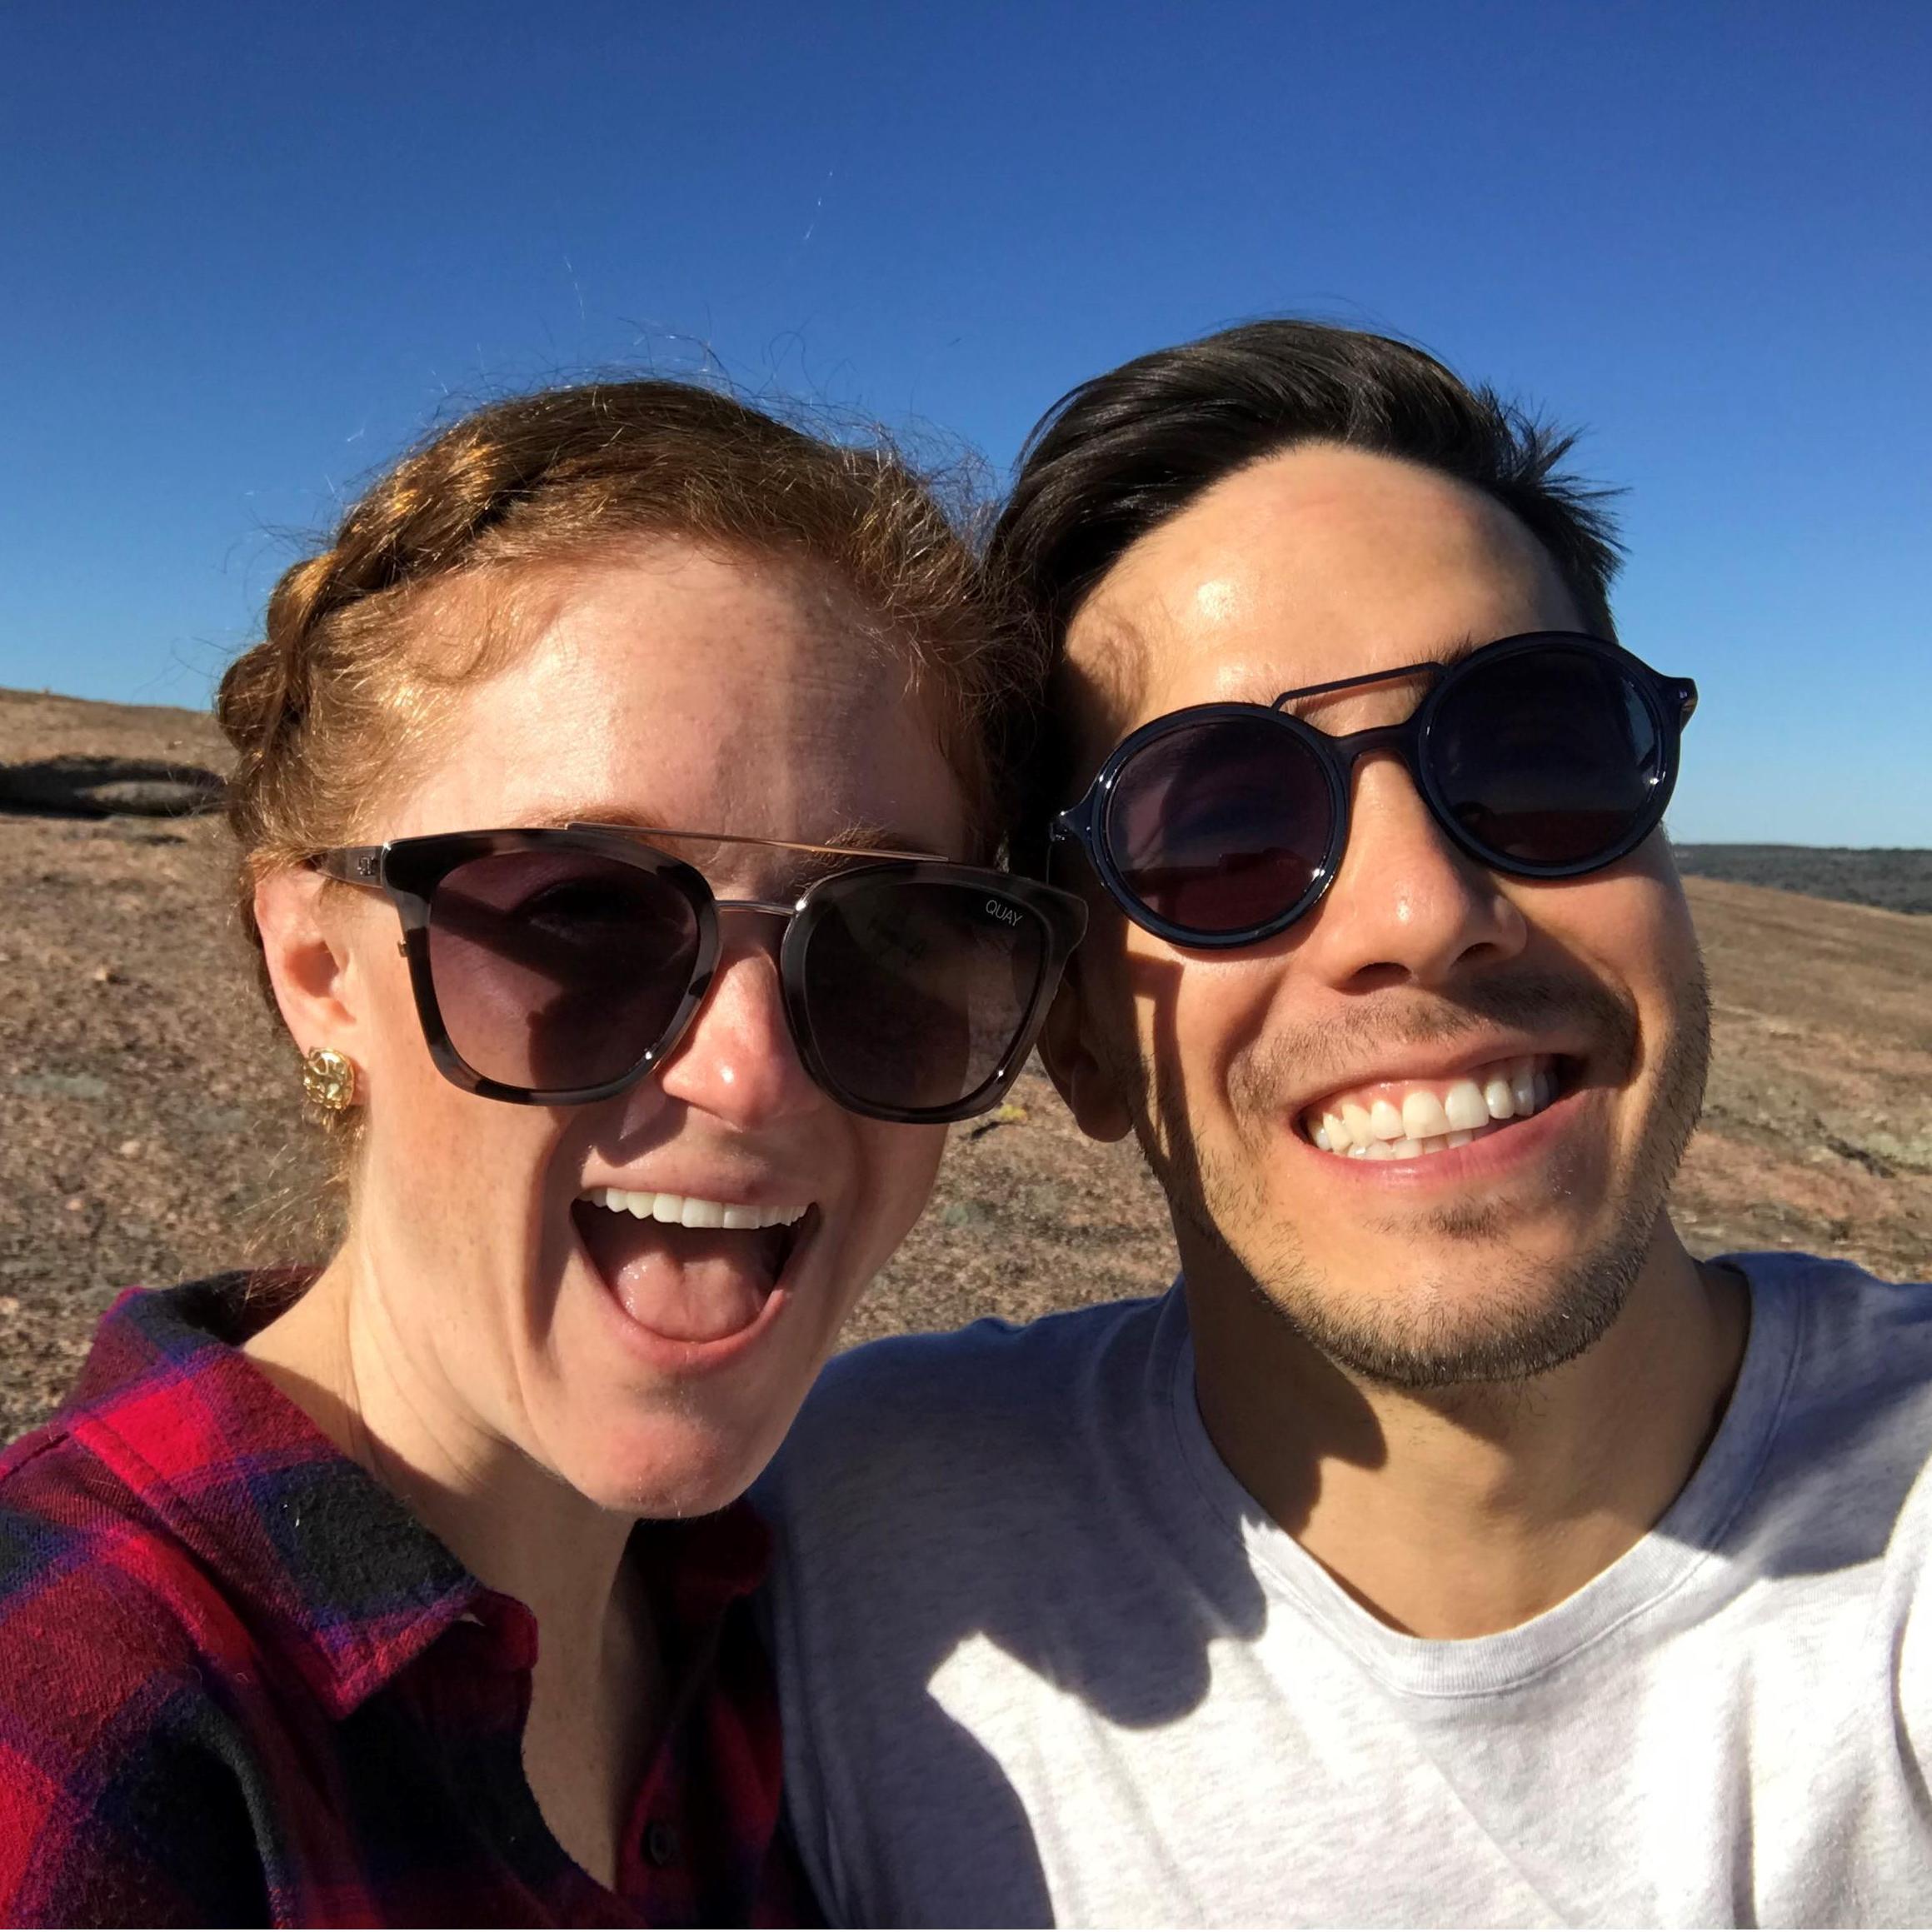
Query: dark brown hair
point(1122, 453)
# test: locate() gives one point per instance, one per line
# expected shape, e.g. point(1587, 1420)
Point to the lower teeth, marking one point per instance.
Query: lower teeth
point(1410, 1150)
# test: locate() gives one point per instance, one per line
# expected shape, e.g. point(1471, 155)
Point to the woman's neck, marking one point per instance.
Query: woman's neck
point(597, 1689)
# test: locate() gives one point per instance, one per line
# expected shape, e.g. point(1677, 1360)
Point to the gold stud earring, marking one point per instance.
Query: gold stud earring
point(328, 1078)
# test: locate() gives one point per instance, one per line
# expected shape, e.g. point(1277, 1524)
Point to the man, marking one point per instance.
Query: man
point(1449, 1546)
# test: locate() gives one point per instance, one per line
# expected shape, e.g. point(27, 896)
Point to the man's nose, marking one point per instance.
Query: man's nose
point(1407, 905)
point(737, 1060)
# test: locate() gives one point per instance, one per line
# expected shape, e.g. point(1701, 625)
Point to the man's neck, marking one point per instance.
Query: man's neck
point(1463, 1511)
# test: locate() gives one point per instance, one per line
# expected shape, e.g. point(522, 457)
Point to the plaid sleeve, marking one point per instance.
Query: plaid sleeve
point(125, 1788)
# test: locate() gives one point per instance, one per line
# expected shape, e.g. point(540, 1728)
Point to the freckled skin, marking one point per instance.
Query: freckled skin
point(690, 690)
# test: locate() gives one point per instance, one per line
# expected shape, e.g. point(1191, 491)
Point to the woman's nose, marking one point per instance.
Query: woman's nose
point(737, 1060)
point(1407, 905)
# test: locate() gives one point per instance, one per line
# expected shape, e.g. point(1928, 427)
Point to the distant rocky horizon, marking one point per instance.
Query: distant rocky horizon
point(78, 744)
point(1894, 878)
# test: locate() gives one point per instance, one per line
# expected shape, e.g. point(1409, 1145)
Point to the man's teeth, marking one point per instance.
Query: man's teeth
point(1431, 1119)
point(687, 1210)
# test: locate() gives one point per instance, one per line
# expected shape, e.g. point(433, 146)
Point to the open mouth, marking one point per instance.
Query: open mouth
point(688, 1269)
point(1410, 1120)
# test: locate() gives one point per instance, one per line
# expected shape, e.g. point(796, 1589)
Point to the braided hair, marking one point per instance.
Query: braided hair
point(345, 685)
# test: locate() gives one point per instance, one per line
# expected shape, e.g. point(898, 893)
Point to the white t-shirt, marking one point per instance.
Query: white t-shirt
point(1044, 1659)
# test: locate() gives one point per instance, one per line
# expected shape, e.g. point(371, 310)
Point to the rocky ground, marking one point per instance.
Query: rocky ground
point(150, 1128)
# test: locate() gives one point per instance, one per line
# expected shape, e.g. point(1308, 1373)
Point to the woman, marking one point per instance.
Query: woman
point(602, 794)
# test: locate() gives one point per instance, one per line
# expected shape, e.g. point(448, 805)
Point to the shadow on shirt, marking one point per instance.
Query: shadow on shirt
point(948, 1503)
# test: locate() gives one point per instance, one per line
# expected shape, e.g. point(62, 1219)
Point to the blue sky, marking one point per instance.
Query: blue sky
point(248, 252)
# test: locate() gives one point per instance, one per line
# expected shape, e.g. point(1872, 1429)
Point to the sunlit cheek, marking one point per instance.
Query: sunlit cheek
point(1217, 1024)
point(909, 1173)
point(463, 1205)
point(903, 1163)
point(1632, 929)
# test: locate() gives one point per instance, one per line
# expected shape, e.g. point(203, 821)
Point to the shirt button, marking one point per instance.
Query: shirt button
point(660, 1843)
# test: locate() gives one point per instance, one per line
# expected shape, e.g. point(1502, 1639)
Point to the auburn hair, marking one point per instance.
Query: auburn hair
point(327, 711)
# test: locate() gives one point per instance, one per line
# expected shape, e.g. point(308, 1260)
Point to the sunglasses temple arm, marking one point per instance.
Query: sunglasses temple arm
point(353, 865)
point(362, 865)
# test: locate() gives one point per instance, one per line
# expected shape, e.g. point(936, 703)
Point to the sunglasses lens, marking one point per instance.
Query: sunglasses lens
point(1221, 827)
point(557, 968)
point(916, 990)
point(1547, 757)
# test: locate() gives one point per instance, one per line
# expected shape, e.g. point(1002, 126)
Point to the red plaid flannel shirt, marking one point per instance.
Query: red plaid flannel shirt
point(240, 1684)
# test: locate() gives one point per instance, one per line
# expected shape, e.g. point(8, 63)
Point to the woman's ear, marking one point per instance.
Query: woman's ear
point(1082, 1075)
point(308, 959)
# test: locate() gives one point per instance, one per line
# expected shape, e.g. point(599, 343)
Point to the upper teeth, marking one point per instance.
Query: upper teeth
point(687, 1210)
point(1429, 1120)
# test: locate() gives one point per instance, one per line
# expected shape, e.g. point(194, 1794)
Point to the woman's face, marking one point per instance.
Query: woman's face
point(653, 1368)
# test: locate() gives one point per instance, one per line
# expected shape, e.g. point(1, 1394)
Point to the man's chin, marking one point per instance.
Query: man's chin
point(1432, 1343)
point(1479, 1304)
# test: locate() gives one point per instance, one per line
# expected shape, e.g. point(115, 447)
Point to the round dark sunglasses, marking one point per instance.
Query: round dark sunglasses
point(554, 966)
point(1546, 756)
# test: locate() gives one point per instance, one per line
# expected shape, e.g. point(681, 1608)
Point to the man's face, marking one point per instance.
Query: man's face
point(1420, 974)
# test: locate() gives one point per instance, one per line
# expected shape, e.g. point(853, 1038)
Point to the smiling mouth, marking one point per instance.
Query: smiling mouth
point(685, 1268)
point(1411, 1120)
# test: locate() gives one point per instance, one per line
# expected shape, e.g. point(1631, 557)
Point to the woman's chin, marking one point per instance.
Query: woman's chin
point(651, 1425)
point(672, 1465)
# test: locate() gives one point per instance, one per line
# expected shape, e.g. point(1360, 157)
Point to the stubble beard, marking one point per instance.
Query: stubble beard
point(1538, 1316)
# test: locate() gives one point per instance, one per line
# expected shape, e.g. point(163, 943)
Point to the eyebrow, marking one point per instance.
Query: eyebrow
point(1463, 647)
point(860, 840)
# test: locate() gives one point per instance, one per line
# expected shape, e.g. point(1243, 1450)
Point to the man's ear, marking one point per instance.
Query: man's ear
point(308, 961)
point(1081, 1075)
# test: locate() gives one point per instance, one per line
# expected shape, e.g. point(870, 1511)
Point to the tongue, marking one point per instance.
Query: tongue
point(687, 1283)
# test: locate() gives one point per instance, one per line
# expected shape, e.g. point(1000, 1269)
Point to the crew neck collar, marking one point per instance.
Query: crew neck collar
point(1684, 1544)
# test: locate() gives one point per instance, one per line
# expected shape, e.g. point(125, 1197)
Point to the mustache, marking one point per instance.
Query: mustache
point(1307, 1059)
